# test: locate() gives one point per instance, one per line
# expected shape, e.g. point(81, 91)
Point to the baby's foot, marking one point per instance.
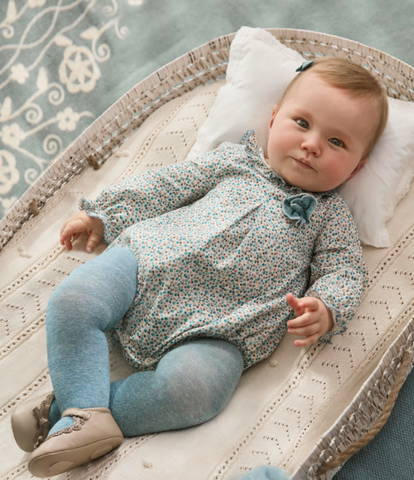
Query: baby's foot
point(92, 433)
point(64, 422)
point(265, 472)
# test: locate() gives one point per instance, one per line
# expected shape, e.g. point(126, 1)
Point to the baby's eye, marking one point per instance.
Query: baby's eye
point(302, 123)
point(336, 142)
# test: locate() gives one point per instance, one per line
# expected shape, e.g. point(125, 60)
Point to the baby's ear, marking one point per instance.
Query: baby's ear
point(358, 167)
point(275, 110)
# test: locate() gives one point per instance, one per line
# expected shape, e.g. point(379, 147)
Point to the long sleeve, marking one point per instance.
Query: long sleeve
point(154, 193)
point(338, 273)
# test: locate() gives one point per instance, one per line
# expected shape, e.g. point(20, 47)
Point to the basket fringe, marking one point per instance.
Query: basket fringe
point(333, 463)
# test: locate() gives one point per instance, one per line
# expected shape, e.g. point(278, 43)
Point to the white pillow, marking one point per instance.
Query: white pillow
point(376, 189)
point(259, 70)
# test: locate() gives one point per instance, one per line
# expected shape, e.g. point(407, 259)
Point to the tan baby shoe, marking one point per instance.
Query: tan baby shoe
point(30, 422)
point(94, 434)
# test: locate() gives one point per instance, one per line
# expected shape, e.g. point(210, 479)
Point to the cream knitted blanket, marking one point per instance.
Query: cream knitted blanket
point(290, 410)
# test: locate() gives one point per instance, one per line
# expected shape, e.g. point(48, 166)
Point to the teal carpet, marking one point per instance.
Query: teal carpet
point(63, 62)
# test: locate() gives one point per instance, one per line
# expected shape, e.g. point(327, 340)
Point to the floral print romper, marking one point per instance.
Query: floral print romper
point(220, 241)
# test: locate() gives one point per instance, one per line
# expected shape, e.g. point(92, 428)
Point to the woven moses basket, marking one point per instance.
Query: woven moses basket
point(300, 408)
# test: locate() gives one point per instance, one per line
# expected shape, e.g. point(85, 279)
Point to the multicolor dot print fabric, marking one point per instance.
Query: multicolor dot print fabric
point(217, 253)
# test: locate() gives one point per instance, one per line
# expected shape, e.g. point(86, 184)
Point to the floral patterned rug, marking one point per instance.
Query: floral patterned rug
point(56, 65)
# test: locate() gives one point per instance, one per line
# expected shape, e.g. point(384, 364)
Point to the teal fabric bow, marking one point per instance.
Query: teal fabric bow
point(299, 207)
point(304, 66)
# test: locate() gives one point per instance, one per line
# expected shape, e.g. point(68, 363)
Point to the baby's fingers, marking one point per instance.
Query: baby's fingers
point(71, 240)
point(309, 303)
point(307, 318)
point(93, 241)
point(305, 330)
point(304, 342)
point(71, 228)
point(294, 303)
point(75, 227)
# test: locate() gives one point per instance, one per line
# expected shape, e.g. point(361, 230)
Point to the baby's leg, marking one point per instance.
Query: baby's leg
point(85, 305)
point(191, 384)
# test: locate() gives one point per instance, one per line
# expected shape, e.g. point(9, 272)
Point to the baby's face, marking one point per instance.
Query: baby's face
point(318, 135)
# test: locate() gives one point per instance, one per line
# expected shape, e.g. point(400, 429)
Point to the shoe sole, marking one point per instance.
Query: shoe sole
point(54, 463)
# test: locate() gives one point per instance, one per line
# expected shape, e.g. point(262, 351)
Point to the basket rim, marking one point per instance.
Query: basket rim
point(382, 55)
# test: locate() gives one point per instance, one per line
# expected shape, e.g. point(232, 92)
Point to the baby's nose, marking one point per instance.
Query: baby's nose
point(312, 144)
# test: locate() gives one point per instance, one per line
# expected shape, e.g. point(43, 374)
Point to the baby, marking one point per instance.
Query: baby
point(209, 263)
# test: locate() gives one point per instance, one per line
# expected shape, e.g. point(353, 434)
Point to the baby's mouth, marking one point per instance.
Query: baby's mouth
point(303, 163)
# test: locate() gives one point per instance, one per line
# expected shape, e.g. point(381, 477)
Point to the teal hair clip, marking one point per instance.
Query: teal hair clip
point(304, 65)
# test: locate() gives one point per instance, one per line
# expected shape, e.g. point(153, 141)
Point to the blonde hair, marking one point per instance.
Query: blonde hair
point(356, 80)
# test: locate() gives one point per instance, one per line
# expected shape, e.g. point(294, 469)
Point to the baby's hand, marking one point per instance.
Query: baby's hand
point(79, 224)
point(313, 319)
